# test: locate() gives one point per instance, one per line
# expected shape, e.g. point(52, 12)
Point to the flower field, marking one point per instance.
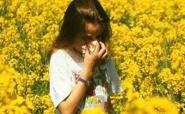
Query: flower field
point(148, 47)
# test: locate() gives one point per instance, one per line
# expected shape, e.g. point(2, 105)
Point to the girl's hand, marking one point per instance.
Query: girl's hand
point(105, 55)
point(91, 60)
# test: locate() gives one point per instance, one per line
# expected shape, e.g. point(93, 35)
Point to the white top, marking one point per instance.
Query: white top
point(62, 80)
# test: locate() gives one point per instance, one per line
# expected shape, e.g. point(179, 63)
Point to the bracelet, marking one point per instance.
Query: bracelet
point(86, 82)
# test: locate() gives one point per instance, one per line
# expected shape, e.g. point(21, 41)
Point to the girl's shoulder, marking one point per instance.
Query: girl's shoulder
point(58, 54)
point(64, 56)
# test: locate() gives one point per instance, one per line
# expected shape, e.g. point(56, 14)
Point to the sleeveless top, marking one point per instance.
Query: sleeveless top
point(65, 68)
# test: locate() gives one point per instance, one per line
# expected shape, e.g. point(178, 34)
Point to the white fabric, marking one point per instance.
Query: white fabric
point(60, 77)
point(62, 65)
point(113, 76)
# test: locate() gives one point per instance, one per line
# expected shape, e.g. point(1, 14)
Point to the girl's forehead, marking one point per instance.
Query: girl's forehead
point(93, 29)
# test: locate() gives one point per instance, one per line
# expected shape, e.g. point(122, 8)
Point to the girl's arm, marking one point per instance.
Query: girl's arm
point(71, 103)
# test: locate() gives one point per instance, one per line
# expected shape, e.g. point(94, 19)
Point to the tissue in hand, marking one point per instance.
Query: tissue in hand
point(92, 47)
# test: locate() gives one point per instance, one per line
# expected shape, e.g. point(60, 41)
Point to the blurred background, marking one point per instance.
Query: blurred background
point(148, 46)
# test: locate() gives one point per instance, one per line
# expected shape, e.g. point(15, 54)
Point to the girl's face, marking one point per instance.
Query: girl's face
point(94, 30)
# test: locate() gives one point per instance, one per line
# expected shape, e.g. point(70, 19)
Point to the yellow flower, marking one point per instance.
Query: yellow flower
point(96, 110)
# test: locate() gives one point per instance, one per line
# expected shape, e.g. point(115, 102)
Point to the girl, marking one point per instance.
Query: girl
point(80, 81)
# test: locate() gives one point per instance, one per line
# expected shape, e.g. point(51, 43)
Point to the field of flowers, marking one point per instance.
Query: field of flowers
point(148, 47)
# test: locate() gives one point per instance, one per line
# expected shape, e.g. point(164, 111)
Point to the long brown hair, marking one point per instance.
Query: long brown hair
point(78, 13)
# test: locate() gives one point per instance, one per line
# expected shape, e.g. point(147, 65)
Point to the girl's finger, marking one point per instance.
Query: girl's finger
point(102, 45)
point(97, 47)
point(103, 50)
point(105, 55)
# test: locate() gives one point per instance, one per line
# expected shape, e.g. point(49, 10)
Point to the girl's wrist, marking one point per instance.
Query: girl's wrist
point(87, 74)
point(84, 81)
